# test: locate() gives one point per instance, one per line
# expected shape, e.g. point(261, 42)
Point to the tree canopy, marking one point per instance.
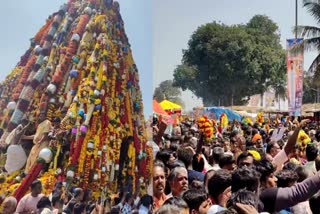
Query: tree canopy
point(227, 64)
point(166, 91)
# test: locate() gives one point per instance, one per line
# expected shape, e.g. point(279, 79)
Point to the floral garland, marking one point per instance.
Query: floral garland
point(95, 79)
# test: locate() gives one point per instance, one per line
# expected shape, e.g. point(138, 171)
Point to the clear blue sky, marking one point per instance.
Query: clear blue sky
point(21, 19)
point(175, 20)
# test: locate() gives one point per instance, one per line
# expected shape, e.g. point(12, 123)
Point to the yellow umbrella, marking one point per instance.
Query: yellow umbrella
point(167, 105)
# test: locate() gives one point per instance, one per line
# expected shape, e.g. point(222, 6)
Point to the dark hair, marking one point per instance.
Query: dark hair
point(146, 200)
point(198, 162)
point(174, 147)
point(226, 159)
point(285, 177)
point(185, 155)
point(290, 166)
point(229, 211)
point(233, 134)
point(196, 184)
point(311, 152)
point(164, 155)
point(55, 199)
point(244, 197)
point(217, 154)
point(35, 183)
point(270, 145)
point(194, 198)
point(176, 163)
point(266, 168)
point(114, 210)
point(77, 191)
point(244, 155)
point(218, 183)
point(176, 201)
point(79, 208)
point(302, 173)
point(43, 202)
point(245, 178)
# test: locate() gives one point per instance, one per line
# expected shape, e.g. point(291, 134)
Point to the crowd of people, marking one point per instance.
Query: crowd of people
point(242, 169)
point(77, 201)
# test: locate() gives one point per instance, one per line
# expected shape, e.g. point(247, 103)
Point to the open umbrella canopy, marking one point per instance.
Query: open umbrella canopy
point(217, 111)
point(168, 105)
point(158, 109)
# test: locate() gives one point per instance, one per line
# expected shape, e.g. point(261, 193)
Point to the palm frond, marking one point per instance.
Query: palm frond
point(313, 8)
point(312, 44)
point(314, 65)
point(307, 31)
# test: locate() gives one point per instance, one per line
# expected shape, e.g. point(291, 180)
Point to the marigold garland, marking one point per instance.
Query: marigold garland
point(85, 67)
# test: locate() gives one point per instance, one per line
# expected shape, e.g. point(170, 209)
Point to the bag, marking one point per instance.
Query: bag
point(16, 158)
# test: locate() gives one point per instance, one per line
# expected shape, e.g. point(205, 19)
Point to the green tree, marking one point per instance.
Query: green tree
point(309, 90)
point(166, 91)
point(227, 64)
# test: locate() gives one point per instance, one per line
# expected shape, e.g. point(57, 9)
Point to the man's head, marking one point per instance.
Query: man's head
point(185, 155)
point(79, 208)
point(266, 169)
point(237, 141)
point(217, 154)
point(311, 152)
point(9, 205)
point(56, 201)
point(44, 202)
point(245, 159)
point(178, 180)
point(36, 188)
point(227, 162)
point(273, 148)
point(245, 178)
point(56, 122)
point(197, 201)
point(159, 179)
point(243, 197)
point(78, 194)
point(174, 205)
point(286, 178)
point(219, 186)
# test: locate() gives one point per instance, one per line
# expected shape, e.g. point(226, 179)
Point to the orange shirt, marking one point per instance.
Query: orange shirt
point(157, 202)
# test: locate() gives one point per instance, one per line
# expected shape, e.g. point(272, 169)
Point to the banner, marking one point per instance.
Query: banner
point(294, 77)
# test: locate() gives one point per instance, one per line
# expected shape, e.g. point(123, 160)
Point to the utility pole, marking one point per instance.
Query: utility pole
point(296, 30)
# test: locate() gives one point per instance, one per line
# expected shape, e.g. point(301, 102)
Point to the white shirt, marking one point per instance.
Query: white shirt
point(143, 210)
point(215, 208)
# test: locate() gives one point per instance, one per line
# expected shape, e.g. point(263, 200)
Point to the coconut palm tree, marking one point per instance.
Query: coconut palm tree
point(311, 37)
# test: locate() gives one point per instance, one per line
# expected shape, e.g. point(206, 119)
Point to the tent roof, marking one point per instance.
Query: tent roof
point(167, 105)
point(158, 109)
point(232, 115)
